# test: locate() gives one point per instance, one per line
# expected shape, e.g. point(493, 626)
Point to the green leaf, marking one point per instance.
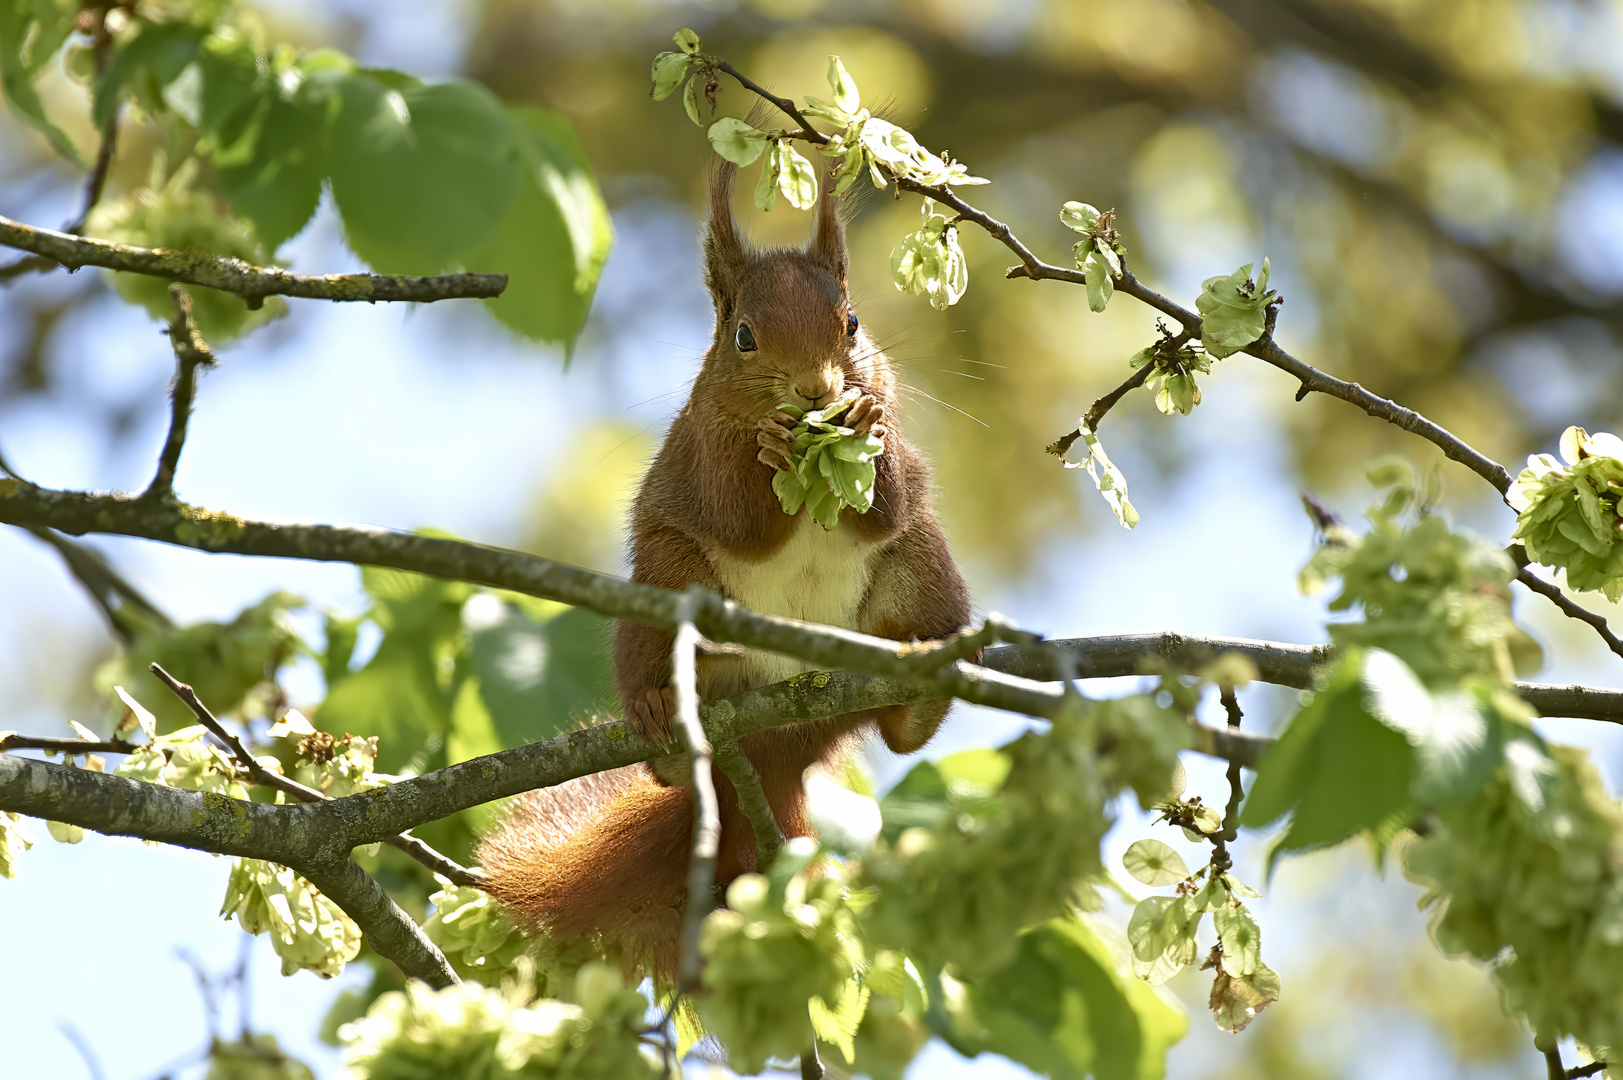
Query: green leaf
point(1233, 310)
point(421, 174)
point(556, 236)
point(1342, 769)
point(1100, 287)
point(342, 635)
point(1240, 937)
point(796, 177)
point(391, 698)
point(690, 100)
point(273, 177)
point(1106, 477)
point(1066, 1008)
point(163, 49)
point(1078, 216)
point(405, 693)
point(843, 86)
point(766, 188)
point(1457, 736)
point(1164, 927)
point(232, 82)
point(31, 32)
point(223, 662)
point(1154, 863)
point(540, 676)
point(670, 68)
point(687, 41)
point(838, 1025)
point(736, 141)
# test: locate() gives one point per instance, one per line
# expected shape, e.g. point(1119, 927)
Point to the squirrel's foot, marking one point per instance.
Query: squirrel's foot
point(867, 416)
point(773, 435)
point(652, 714)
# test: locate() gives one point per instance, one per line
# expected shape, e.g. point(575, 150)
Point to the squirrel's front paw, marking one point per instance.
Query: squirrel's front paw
point(652, 714)
point(867, 417)
point(773, 435)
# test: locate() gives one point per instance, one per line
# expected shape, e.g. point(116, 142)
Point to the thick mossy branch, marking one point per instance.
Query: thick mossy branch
point(315, 838)
point(1016, 678)
point(173, 522)
point(252, 283)
point(392, 933)
point(1277, 662)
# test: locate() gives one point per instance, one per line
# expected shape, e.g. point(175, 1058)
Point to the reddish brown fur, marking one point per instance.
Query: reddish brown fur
point(608, 855)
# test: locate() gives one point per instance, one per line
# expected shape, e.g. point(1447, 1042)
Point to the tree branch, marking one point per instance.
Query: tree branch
point(1008, 684)
point(174, 522)
point(738, 768)
point(191, 352)
point(440, 864)
point(706, 808)
point(11, 740)
point(252, 283)
point(1277, 662)
point(1571, 609)
point(392, 933)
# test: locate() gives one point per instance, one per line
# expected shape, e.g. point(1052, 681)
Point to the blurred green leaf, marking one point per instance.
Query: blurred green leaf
point(273, 174)
point(555, 237)
point(31, 32)
point(541, 677)
point(1341, 769)
point(159, 51)
point(421, 174)
point(1065, 1009)
point(223, 662)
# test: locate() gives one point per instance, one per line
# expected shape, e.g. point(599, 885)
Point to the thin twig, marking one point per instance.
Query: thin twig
point(1231, 812)
point(737, 767)
point(252, 283)
point(784, 105)
point(440, 864)
point(92, 1063)
point(1578, 1072)
point(811, 1066)
point(28, 264)
point(706, 808)
point(111, 592)
point(1552, 1064)
point(1091, 418)
point(1569, 608)
point(101, 46)
point(11, 740)
point(191, 352)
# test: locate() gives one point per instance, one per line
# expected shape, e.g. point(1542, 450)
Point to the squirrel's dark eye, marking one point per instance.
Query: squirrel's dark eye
point(745, 338)
point(851, 325)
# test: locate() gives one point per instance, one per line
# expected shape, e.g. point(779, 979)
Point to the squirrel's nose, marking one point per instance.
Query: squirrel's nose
point(818, 392)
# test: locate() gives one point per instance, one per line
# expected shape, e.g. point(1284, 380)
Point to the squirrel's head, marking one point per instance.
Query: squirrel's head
point(785, 327)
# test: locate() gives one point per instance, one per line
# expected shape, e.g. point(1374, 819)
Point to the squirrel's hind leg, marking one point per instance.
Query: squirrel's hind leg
point(917, 594)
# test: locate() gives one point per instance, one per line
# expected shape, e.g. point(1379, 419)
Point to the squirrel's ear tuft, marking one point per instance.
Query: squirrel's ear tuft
point(828, 234)
point(724, 250)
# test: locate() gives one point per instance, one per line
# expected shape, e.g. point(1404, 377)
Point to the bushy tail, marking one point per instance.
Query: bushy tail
point(606, 856)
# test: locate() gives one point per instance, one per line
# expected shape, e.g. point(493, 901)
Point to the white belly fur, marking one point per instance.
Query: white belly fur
point(818, 576)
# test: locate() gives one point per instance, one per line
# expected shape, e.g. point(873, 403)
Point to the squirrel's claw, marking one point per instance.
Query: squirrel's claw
point(866, 412)
point(652, 714)
point(773, 437)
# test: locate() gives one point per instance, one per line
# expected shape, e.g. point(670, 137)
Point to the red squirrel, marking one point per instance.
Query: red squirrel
point(605, 857)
